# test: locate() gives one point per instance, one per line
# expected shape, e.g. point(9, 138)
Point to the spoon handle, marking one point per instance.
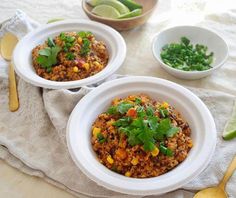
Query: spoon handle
point(13, 96)
point(228, 173)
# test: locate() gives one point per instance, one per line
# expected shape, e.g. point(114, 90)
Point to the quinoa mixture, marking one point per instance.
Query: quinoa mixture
point(70, 56)
point(140, 137)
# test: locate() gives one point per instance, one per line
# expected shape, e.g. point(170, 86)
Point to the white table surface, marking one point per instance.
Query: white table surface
point(14, 184)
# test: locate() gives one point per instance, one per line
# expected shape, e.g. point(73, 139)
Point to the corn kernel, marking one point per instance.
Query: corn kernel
point(115, 101)
point(155, 152)
point(96, 131)
point(86, 66)
point(110, 123)
point(128, 174)
point(110, 160)
point(97, 64)
point(134, 161)
point(190, 144)
point(79, 40)
point(165, 105)
point(75, 69)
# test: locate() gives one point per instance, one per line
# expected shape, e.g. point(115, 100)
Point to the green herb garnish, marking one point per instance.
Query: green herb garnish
point(121, 108)
point(146, 129)
point(68, 42)
point(51, 42)
point(185, 56)
point(166, 151)
point(85, 49)
point(138, 101)
point(48, 56)
point(101, 138)
point(84, 34)
point(70, 56)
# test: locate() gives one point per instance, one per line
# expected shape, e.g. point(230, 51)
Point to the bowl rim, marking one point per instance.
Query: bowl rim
point(114, 65)
point(117, 20)
point(120, 187)
point(154, 43)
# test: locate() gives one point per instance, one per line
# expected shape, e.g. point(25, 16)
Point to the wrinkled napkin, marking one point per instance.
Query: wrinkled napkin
point(33, 138)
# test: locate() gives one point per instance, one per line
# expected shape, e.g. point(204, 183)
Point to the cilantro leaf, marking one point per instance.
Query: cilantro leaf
point(101, 138)
point(172, 131)
point(138, 101)
point(165, 150)
point(112, 110)
point(84, 34)
point(146, 136)
point(149, 111)
point(85, 48)
point(153, 123)
point(164, 112)
point(165, 129)
point(70, 56)
point(141, 112)
point(138, 123)
point(132, 137)
point(122, 122)
point(124, 107)
point(51, 42)
point(45, 52)
point(48, 57)
point(164, 126)
point(148, 146)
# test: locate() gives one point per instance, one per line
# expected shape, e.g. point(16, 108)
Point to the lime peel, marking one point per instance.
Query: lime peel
point(133, 13)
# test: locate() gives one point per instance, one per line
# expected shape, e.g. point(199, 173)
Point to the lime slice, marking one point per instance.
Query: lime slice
point(114, 3)
point(230, 128)
point(106, 11)
point(131, 4)
point(134, 13)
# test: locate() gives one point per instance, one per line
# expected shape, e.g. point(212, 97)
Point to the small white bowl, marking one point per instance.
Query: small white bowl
point(197, 35)
point(97, 101)
point(22, 57)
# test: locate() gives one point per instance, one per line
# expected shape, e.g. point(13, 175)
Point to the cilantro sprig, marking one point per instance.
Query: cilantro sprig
point(47, 57)
point(146, 128)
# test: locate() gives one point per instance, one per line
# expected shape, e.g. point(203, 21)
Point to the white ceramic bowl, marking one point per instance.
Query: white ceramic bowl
point(97, 101)
point(197, 35)
point(22, 54)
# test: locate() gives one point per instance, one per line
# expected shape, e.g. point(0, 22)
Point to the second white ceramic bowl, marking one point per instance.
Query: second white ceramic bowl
point(97, 101)
point(197, 35)
point(22, 57)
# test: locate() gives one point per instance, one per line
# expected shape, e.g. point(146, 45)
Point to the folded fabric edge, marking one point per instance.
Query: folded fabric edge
point(16, 163)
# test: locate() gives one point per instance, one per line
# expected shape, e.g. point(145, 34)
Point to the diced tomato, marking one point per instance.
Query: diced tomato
point(132, 112)
point(79, 62)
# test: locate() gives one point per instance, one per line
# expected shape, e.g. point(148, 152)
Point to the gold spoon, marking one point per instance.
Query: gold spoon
point(218, 191)
point(8, 43)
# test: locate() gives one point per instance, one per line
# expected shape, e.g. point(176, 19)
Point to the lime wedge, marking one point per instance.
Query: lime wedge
point(114, 3)
point(134, 13)
point(106, 11)
point(131, 4)
point(230, 128)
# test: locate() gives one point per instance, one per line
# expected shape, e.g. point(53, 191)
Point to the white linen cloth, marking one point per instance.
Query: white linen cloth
point(32, 139)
